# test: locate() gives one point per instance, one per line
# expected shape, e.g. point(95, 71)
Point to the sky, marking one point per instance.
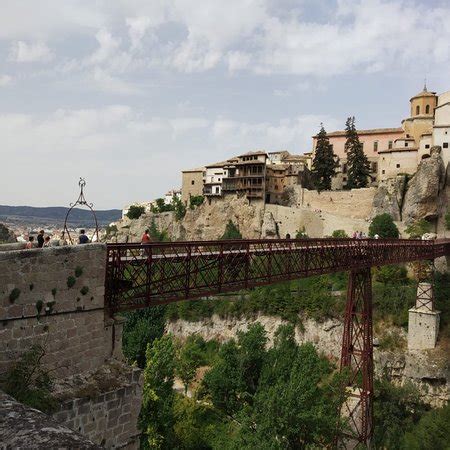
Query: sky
point(127, 93)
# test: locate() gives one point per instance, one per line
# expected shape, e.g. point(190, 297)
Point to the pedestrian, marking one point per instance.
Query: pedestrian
point(30, 242)
point(47, 241)
point(355, 235)
point(145, 237)
point(40, 239)
point(82, 238)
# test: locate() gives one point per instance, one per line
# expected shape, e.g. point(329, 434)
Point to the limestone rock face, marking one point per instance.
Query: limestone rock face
point(6, 235)
point(269, 229)
point(389, 197)
point(422, 195)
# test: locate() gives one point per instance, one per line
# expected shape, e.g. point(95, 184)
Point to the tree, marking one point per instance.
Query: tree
point(447, 220)
point(179, 208)
point(418, 228)
point(394, 274)
point(384, 226)
point(189, 358)
point(324, 164)
point(156, 235)
point(156, 418)
point(358, 166)
point(301, 234)
point(196, 200)
point(231, 232)
point(339, 234)
point(135, 211)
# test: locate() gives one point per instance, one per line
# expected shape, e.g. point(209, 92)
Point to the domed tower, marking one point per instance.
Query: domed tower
point(422, 114)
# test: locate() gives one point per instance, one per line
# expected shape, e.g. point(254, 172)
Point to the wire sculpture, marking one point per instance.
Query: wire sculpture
point(81, 200)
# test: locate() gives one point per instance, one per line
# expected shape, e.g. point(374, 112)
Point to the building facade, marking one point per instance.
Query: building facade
point(191, 183)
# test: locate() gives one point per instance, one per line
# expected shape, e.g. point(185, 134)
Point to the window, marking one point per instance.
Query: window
point(344, 179)
point(331, 147)
point(362, 145)
point(374, 167)
point(390, 144)
point(417, 110)
point(192, 182)
point(344, 168)
point(398, 166)
point(383, 171)
point(406, 144)
point(427, 109)
point(427, 145)
point(445, 145)
point(217, 190)
point(375, 146)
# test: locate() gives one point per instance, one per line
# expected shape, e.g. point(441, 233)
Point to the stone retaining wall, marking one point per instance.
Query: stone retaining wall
point(55, 297)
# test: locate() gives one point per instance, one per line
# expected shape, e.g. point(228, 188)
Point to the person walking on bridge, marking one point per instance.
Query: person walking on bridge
point(145, 237)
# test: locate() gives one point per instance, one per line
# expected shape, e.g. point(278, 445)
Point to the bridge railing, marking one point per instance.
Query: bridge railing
point(140, 275)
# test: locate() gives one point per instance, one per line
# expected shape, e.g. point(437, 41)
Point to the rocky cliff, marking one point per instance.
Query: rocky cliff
point(428, 370)
point(6, 235)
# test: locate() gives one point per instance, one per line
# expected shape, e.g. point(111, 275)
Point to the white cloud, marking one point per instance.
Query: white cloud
point(5, 80)
point(108, 83)
point(107, 46)
point(137, 27)
point(24, 52)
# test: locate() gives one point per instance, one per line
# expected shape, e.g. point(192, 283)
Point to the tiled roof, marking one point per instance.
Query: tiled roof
point(370, 131)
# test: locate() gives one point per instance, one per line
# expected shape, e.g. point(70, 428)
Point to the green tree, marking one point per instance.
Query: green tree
point(384, 226)
point(301, 234)
point(418, 228)
point(135, 211)
point(231, 232)
point(196, 200)
point(394, 274)
point(189, 358)
point(179, 208)
point(141, 328)
point(324, 163)
point(156, 418)
point(447, 220)
point(156, 235)
point(339, 234)
point(431, 432)
point(358, 166)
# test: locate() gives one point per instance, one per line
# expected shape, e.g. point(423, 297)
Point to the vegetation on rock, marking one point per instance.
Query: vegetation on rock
point(383, 226)
point(196, 200)
point(339, 234)
point(418, 228)
point(231, 232)
point(135, 211)
point(324, 163)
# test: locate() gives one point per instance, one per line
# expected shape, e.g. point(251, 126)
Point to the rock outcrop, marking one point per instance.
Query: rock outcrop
point(6, 235)
point(422, 194)
point(389, 197)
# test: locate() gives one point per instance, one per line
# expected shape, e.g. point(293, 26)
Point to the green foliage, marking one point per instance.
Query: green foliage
point(160, 206)
point(39, 305)
point(142, 327)
point(394, 274)
point(447, 220)
point(418, 228)
point(49, 307)
point(156, 419)
point(301, 234)
point(14, 295)
point(430, 433)
point(135, 211)
point(231, 232)
point(84, 290)
point(196, 200)
point(71, 281)
point(358, 166)
point(28, 382)
point(179, 208)
point(78, 271)
point(339, 234)
point(384, 226)
point(111, 230)
point(396, 410)
point(189, 359)
point(324, 163)
point(156, 235)
point(54, 292)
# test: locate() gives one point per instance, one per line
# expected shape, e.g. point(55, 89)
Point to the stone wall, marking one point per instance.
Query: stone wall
point(104, 405)
point(39, 305)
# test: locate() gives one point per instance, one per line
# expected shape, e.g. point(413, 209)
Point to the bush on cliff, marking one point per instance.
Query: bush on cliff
point(196, 200)
point(231, 232)
point(384, 226)
point(418, 228)
point(134, 212)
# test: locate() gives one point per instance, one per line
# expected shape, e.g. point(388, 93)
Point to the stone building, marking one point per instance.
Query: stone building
point(192, 183)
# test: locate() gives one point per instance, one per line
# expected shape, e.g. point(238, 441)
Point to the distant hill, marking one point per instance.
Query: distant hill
point(55, 215)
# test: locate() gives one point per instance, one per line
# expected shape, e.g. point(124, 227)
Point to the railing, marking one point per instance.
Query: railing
point(138, 275)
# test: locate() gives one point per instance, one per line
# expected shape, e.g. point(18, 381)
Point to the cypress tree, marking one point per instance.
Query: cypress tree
point(324, 164)
point(358, 165)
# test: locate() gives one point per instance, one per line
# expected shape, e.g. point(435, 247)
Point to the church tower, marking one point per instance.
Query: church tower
point(422, 115)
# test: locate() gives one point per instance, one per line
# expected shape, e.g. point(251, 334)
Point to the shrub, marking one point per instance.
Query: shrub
point(447, 220)
point(135, 211)
point(196, 200)
point(156, 235)
point(301, 234)
point(78, 271)
point(111, 230)
point(418, 228)
point(384, 226)
point(231, 231)
point(71, 281)
point(84, 290)
point(391, 275)
point(14, 295)
point(179, 207)
point(160, 206)
point(339, 234)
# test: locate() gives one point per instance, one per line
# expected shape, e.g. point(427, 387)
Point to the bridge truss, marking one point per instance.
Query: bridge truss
point(140, 276)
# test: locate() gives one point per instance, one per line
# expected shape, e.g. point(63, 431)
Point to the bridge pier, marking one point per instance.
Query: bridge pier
point(357, 361)
point(423, 320)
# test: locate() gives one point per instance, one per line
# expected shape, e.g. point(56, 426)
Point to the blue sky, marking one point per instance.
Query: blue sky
point(128, 92)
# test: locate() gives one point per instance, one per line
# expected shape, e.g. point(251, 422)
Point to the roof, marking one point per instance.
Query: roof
point(404, 139)
point(198, 169)
point(364, 132)
point(424, 93)
point(254, 153)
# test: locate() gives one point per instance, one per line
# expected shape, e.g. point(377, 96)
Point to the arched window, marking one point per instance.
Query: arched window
point(427, 109)
point(417, 110)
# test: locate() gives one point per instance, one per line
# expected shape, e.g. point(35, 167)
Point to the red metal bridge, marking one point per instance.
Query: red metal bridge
point(140, 276)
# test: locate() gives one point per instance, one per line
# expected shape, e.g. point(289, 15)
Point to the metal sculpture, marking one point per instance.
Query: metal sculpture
point(81, 200)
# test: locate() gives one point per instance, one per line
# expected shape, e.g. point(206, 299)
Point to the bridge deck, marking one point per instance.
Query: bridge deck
point(143, 275)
